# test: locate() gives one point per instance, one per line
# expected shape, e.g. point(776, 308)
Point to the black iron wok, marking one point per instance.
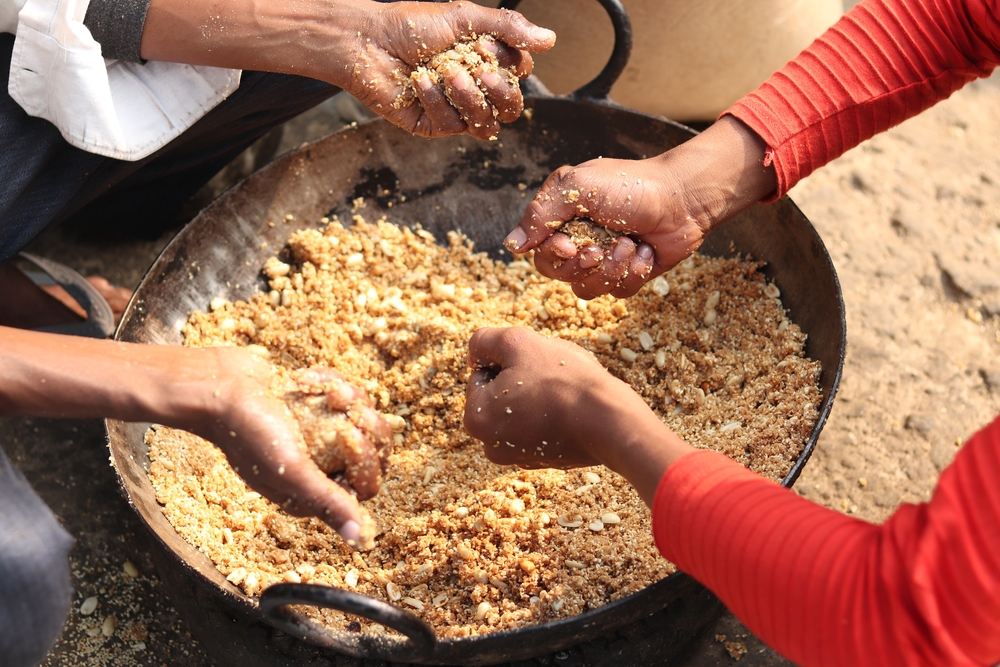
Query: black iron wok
point(443, 185)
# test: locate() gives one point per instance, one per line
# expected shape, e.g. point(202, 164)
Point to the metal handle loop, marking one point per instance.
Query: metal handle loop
point(600, 87)
point(415, 629)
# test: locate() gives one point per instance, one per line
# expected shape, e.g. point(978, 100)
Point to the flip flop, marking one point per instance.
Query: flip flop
point(100, 322)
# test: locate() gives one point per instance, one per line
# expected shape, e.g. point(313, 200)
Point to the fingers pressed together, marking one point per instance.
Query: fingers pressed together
point(528, 398)
point(473, 87)
point(308, 441)
point(462, 64)
point(608, 226)
point(343, 433)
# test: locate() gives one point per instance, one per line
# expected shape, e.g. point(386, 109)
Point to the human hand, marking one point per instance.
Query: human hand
point(531, 399)
point(282, 446)
point(542, 402)
point(369, 49)
point(224, 395)
point(629, 197)
point(394, 71)
point(663, 207)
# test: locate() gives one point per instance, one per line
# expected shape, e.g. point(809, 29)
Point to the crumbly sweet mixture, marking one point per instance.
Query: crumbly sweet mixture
point(337, 430)
point(462, 54)
point(470, 546)
point(584, 232)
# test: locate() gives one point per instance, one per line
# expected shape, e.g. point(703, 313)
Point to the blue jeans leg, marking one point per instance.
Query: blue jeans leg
point(35, 590)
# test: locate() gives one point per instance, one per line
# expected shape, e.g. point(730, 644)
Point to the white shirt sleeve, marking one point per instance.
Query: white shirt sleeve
point(113, 108)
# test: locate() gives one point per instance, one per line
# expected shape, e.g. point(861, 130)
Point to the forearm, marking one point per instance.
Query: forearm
point(292, 38)
point(634, 442)
point(221, 394)
point(62, 376)
point(666, 205)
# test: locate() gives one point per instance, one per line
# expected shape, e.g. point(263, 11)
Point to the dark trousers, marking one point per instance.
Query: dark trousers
point(34, 572)
point(45, 181)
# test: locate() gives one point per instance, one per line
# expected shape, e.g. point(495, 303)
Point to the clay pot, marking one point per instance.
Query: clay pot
point(691, 60)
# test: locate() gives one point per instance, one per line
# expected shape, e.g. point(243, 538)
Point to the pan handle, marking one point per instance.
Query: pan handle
point(600, 88)
point(418, 632)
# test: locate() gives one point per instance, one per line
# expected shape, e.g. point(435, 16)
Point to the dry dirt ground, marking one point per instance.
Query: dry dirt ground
point(912, 220)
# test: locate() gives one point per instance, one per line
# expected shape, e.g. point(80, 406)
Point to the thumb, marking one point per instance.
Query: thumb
point(497, 348)
point(491, 351)
point(510, 27)
point(317, 495)
point(547, 211)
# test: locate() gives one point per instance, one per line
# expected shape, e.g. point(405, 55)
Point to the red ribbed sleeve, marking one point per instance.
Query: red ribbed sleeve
point(883, 62)
point(826, 589)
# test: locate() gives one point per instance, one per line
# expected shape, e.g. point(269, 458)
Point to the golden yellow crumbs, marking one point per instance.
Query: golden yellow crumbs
point(584, 232)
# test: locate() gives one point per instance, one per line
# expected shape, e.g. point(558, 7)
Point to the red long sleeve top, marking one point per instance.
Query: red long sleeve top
point(820, 587)
point(883, 62)
point(824, 588)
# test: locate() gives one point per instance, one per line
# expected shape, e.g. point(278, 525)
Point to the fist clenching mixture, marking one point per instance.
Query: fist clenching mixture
point(584, 232)
point(475, 56)
point(470, 546)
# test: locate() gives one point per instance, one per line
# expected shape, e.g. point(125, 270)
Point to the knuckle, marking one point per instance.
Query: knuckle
point(476, 339)
point(563, 173)
point(545, 266)
point(474, 422)
point(525, 66)
point(536, 209)
point(515, 21)
point(511, 339)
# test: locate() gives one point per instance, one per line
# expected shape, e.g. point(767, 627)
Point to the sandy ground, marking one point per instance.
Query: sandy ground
point(912, 220)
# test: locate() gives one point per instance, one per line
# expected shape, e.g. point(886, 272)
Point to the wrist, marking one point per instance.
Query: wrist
point(633, 441)
point(197, 389)
point(644, 457)
point(325, 40)
point(720, 172)
point(168, 385)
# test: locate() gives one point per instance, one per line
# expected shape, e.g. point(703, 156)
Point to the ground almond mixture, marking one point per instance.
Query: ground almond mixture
point(466, 54)
point(470, 546)
point(583, 232)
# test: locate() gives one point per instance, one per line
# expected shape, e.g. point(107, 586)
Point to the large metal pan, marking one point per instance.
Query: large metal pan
point(454, 183)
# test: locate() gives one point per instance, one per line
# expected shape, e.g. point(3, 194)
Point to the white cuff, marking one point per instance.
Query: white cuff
point(120, 110)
